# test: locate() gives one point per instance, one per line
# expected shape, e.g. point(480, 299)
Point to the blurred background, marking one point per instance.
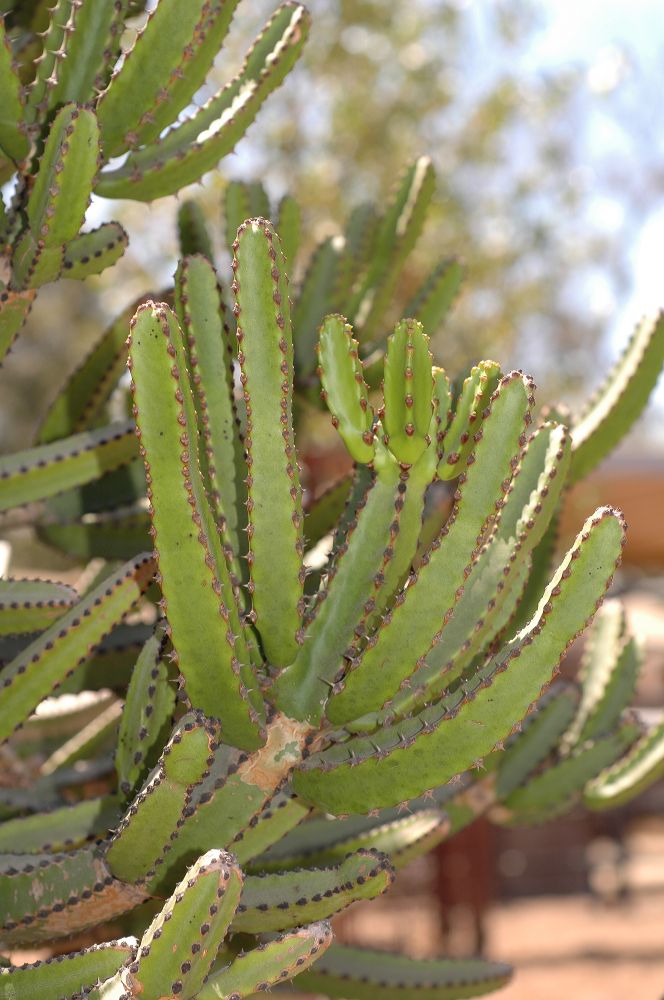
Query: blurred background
point(545, 122)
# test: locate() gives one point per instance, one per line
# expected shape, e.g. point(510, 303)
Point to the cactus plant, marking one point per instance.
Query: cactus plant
point(324, 733)
point(287, 734)
point(72, 106)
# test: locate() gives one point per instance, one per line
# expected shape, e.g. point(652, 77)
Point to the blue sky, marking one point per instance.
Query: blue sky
point(624, 38)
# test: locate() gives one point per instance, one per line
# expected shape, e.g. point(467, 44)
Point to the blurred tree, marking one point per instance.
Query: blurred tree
point(517, 198)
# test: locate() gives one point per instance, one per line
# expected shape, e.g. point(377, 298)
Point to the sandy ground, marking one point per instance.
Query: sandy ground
point(576, 948)
point(570, 948)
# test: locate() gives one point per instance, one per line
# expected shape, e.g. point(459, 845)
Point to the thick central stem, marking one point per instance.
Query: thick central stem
point(267, 767)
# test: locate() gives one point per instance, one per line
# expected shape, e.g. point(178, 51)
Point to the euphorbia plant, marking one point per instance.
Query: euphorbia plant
point(393, 680)
point(291, 730)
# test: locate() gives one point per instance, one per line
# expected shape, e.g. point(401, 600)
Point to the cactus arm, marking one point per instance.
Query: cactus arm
point(409, 508)
point(59, 720)
point(609, 672)
point(302, 689)
point(237, 209)
point(68, 975)
point(281, 900)
point(57, 205)
point(641, 767)
point(540, 735)
point(536, 486)
point(318, 295)
point(88, 388)
point(409, 632)
point(58, 201)
point(448, 738)
point(99, 734)
point(39, 669)
point(442, 393)
point(121, 488)
point(60, 829)
point(148, 710)
point(324, 842)
point(37, 101)
point(316, 842)
point(279, 816)
point(259, 203)
point(434, 299)
point(408, 392)
point(456, 654)
point(404, 842)
point(475, 395)
point(30, 605)
point(109, 666)
point(48, 896)
point(92, 42)
point(543, 561)
point(146, 825)
point(361, 974)
point(158, 77)
point(212, 813)
point(228, 799)
point(270, 963)
point(344, 389)
point(323, 513)
point(608, 631)
point(34, 264)
point(617, 694)
point(91, 253)
point(362, 479)
point(200, 313)
point(558, 787)
point(397, 235)
point(214, 660)
point(14, 142)
point(50, 43)
point(177, 951)
point(619, 402)
point(14, 310)
point(41, 472)
point(274, 504)
point(111, 663)
point(495, 581)
point(348, 401)
point(289, 227)
point(195, 146)
point(105, 536)
point(360, 235)
point(242, 201)
point(193, 234)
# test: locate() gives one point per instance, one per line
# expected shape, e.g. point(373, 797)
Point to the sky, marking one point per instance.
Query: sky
point(622, 44)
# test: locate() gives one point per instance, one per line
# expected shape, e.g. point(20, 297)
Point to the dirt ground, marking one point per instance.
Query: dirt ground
point(571, 948)
point(577, 948)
